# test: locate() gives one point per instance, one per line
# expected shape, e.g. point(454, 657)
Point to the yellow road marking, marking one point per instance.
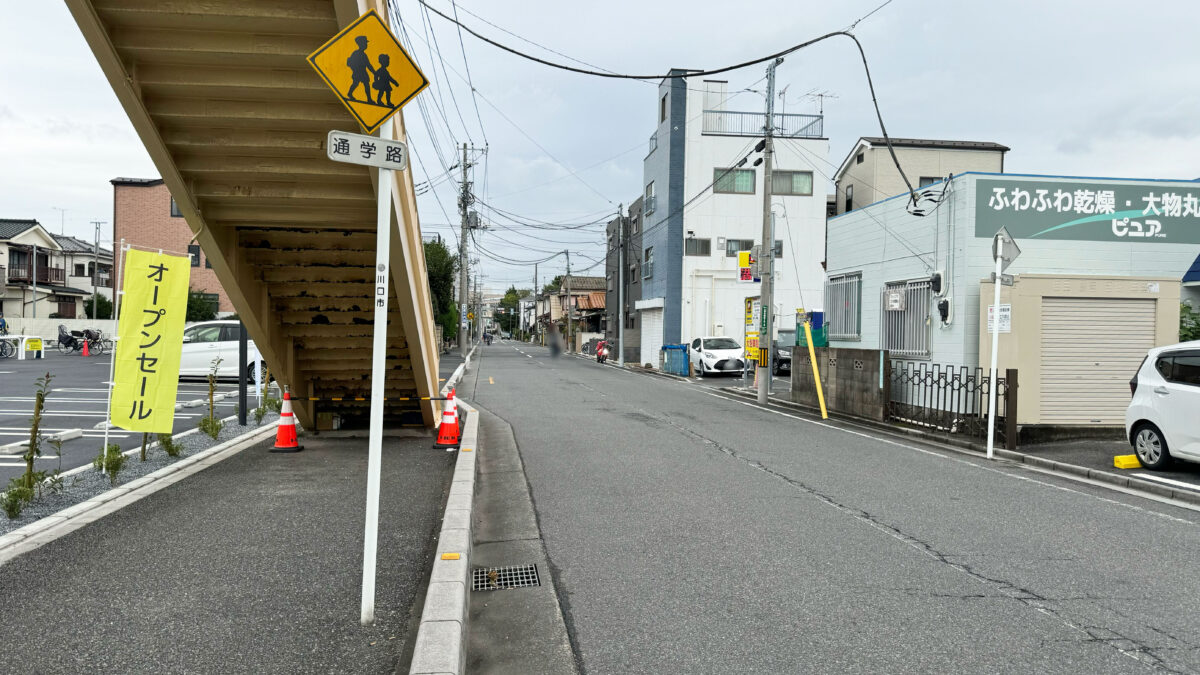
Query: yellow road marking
point(491, 381)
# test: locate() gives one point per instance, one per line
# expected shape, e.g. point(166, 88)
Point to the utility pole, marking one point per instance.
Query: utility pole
point(462, 260)
point(533, 324)
point(96, 268)
point(620, 286)
point(768, 245)
point(570, 302)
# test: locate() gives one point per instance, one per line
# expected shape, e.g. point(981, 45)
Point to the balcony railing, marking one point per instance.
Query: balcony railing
point(727, 123)
point(653, 142)
point(45, 275)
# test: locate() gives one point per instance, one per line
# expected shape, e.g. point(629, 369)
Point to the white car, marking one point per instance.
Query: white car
point(1162, 421)
point(716, 355)
point(204, 343)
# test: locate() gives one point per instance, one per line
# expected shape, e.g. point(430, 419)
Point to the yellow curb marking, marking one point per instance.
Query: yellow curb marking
point(450, 556)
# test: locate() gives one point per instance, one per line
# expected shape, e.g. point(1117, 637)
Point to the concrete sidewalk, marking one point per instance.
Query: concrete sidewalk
point(253, 565)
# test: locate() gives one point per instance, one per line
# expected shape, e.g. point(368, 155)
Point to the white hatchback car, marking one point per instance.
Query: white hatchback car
point(205, 342)
point(1162, 420)
point(716, 355)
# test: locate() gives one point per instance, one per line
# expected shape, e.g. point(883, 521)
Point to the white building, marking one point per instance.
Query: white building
point(1097, 283)
point(48, 276)
point(703, 204)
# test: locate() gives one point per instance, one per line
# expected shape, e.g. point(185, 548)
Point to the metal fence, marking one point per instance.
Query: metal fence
point(905, 330)
point(730, 123)
point(843, 307)
point(675, 360)
point(951, 399)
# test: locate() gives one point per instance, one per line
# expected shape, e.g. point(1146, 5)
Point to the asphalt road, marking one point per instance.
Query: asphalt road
point(77, 400)
point(691, 533)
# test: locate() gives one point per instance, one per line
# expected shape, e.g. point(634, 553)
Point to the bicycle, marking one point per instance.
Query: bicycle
point(7, 348)
point(96, 342)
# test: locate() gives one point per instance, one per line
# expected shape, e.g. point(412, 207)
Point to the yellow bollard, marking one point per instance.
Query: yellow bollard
point(812, 356)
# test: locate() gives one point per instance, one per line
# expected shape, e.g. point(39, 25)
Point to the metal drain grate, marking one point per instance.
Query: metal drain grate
point(500, 578)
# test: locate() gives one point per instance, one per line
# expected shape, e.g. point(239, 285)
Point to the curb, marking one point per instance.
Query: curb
point(46, 530)
point(1073, 471)
point(441, 644)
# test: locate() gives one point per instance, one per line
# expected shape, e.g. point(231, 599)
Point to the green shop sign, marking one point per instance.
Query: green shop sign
point(1149, 212)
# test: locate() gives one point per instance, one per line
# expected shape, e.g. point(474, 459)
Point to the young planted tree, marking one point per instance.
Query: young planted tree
point(30, 478)
point(1189, 323)
point(211, 425)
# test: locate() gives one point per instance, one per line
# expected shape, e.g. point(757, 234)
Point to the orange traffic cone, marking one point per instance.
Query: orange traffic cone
point(448, 432)
point(285, 434)
point(85, 349)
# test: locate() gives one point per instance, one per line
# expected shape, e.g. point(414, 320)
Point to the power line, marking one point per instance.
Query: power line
point(470, 84)
point(522, 131)
point(432, 37)
point(704, 73)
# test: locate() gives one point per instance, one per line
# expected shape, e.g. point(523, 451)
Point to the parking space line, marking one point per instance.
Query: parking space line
point(1168, 481)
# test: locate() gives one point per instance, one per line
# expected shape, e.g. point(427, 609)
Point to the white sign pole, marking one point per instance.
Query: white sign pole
point(995, 348)
point(378, 360)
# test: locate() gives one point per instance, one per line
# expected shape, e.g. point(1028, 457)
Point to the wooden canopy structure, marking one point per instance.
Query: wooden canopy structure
point(236, 121)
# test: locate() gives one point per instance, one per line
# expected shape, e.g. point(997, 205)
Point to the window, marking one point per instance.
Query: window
point(849, 197)
point(926, 181)
point(733, 181)
point(859, 158)
point(696, 344)
point(79, 270)
point(608, 276)
point(662, 109)
point(792, 183)
point(194, 252)
point(1186, 368)
point(843, 306)
point(633, 225)
point(633, 278)
point(650, 201)
point(1163, 366)
point(721, 343)
point(732, 246)
point(66, 306)
point(905, 332)
point(209, 333)
point(648, 263)
point(175, 212)
point(631, 321)
point(693, 246)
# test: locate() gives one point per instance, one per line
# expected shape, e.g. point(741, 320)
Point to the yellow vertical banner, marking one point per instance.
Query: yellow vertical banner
point(150, 332)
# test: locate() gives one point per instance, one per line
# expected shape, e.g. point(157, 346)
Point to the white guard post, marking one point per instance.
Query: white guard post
point(378, 360)
point(995, 347)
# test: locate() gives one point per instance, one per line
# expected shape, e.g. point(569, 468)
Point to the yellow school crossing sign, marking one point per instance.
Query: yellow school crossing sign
point(368, 70)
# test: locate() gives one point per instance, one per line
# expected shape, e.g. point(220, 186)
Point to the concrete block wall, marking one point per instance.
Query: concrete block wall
point(851, 378)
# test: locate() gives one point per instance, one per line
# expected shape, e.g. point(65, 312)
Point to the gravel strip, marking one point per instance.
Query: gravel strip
point(89, 483)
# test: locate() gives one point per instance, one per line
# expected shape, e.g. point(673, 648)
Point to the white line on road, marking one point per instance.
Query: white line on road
point(1168, 481)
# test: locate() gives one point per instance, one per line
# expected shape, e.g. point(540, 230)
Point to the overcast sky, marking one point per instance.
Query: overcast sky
point(1091, 89)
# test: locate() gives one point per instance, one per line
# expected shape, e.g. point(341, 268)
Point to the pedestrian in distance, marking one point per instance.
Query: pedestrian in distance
point(384, 81)
point(3, 325)
point(359, 65)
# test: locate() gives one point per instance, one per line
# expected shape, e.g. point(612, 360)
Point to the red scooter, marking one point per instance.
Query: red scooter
point(601, 352)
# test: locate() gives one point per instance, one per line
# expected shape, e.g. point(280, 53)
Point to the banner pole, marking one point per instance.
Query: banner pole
point(118, 286)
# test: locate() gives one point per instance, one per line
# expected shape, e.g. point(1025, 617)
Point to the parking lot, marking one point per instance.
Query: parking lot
point(77, 401)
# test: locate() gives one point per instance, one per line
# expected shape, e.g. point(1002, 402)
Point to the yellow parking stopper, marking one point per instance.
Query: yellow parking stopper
point(1126, 462)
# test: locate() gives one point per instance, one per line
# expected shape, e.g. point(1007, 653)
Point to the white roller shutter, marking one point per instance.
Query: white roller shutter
point(1090, 349)
point(652, 335)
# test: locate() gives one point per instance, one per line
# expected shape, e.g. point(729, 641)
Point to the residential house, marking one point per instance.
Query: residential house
point(869, 174)
point(33, 268)
point(624, 244)
point(145, 215)
point(88, 265)
point(703, 203)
